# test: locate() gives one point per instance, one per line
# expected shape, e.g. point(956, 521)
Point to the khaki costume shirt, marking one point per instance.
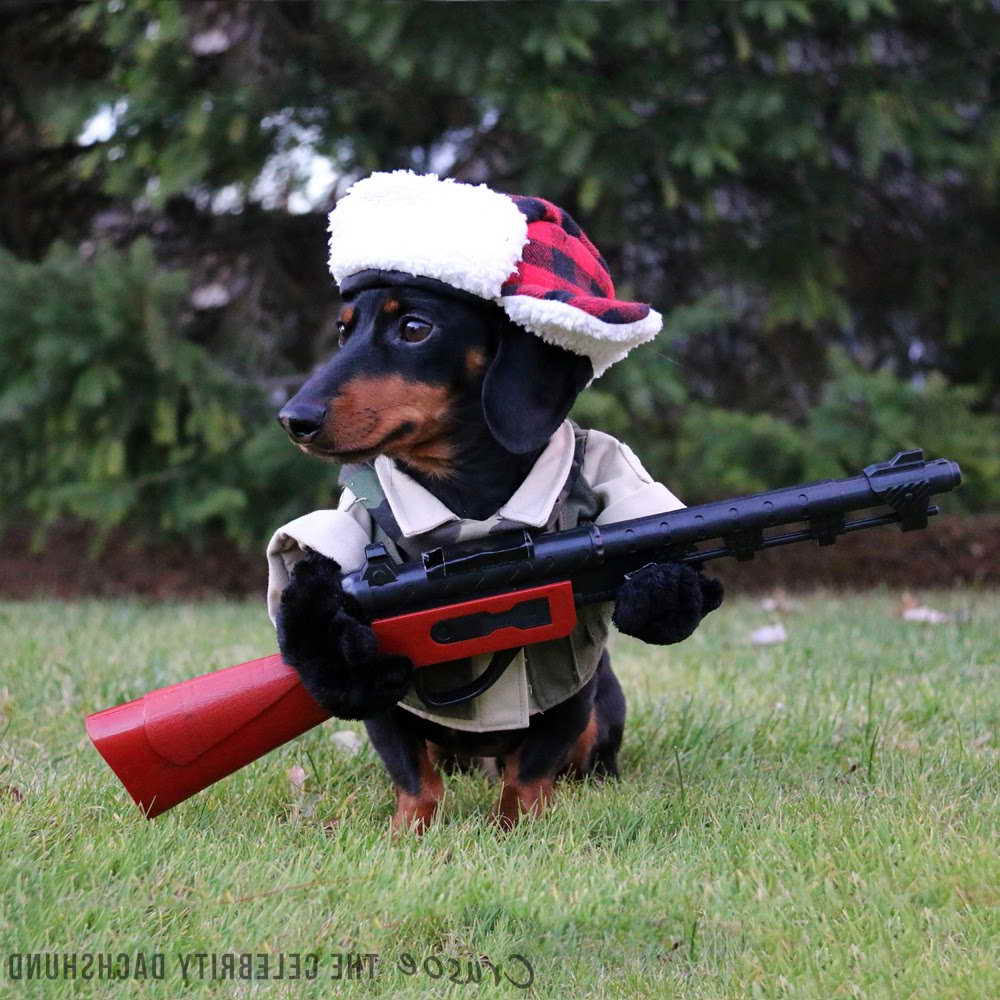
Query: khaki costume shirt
point(621, 489)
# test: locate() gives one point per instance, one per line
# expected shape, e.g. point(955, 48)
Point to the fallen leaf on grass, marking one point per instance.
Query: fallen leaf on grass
point(780, 602)
point(303, 805)
point(768, 635)
point(11, 792)
point(929, 615)
point(911, 610)
point(347, 740)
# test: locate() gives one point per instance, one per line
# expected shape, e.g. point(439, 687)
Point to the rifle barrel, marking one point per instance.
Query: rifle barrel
point(596, 557)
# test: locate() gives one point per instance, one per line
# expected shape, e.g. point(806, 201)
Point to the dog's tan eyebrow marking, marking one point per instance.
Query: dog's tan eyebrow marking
point(346, 315)
point(475, 361)
point(391, 306)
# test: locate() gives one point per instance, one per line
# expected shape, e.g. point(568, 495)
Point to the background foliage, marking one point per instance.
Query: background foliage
point(807, 190)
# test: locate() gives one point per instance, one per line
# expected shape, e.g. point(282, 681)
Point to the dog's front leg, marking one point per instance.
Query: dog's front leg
point(407, 758)
point(558, 739)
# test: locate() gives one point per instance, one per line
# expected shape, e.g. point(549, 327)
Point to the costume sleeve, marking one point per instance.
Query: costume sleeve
point(624, 487)
point(340, 534)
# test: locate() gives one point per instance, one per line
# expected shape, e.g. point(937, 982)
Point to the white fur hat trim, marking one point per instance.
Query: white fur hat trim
point(466, 235)
point(566, 326)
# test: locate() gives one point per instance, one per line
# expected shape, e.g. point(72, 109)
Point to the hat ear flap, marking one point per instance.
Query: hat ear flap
point(529, 388)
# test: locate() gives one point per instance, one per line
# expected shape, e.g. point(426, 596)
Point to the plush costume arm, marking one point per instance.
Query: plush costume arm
point(321, 635)
point(662, 603)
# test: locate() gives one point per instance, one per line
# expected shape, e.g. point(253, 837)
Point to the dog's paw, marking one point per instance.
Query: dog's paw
point(663, 603)
point(334, 651)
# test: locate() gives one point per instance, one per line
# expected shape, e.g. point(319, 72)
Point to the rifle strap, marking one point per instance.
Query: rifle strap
point(362, 481)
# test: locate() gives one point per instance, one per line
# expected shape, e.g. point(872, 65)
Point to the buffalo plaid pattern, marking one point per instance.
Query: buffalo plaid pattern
point(560, 263)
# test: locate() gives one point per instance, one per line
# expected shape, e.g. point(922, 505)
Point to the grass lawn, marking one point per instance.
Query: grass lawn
point(812, 819)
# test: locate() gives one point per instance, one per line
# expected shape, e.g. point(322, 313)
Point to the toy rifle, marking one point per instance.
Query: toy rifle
point(492, 595)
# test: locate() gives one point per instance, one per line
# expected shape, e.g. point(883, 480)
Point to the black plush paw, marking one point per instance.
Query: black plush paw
point(321, 635)
point(663, 602)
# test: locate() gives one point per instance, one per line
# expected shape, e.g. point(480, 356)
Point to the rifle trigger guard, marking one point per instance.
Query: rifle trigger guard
point(499, 662)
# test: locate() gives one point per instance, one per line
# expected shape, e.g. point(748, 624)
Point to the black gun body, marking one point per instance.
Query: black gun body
point(596, 559)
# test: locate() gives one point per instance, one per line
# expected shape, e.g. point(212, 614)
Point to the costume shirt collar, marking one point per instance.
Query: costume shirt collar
point(418, 511)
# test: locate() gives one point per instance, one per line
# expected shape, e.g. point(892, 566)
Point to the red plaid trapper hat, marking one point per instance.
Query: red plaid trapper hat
point(559, 263)
point(526, 254)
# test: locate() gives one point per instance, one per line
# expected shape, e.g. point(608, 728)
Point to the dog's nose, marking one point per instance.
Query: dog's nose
point(302, 421)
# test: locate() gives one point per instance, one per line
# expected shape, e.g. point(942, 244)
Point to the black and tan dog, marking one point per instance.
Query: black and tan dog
point(464, 401)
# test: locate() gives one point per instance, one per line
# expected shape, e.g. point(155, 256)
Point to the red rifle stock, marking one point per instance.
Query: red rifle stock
point(172, 743)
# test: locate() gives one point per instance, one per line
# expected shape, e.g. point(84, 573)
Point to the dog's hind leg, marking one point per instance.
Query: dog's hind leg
point(596, 748)
point(581, 756)
point(408, 760)
point(609, 709)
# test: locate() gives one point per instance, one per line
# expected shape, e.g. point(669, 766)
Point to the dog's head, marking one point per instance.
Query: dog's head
point(418, 362)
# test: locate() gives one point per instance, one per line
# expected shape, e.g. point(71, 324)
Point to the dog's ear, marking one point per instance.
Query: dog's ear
point(529, 388)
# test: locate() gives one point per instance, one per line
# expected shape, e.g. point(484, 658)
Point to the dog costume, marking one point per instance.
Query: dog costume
point(530, 257)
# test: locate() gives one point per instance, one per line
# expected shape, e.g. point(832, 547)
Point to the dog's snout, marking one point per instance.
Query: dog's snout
point(302, 421)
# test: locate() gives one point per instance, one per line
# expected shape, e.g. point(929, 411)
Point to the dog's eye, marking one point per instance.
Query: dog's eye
point(413, 330)
point(342, 333)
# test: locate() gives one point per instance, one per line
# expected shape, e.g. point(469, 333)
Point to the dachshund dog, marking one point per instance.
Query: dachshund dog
point(464, 401)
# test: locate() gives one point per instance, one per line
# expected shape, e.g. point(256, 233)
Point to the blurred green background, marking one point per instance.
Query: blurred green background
point(808, 191)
